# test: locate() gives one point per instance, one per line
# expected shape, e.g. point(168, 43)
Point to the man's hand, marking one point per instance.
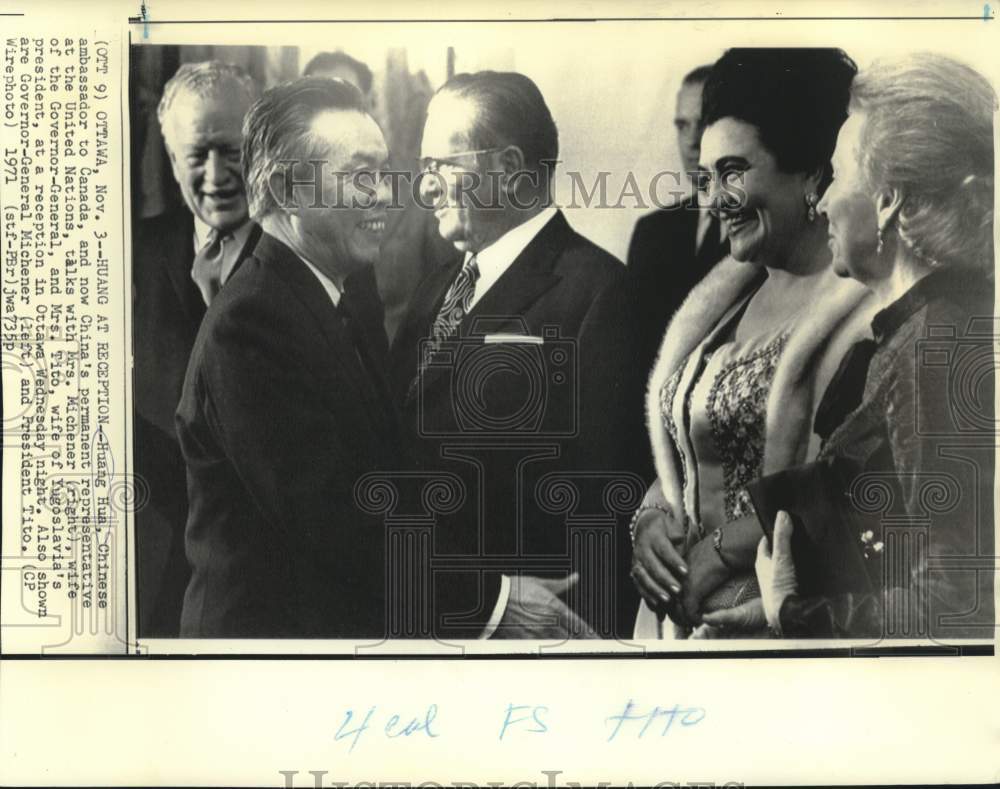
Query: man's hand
point(534, 610)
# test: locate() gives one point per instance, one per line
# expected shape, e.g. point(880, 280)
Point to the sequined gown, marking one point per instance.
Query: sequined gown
point(714, 408)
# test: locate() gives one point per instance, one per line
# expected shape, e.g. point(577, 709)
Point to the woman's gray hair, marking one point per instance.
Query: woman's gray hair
point(276, 132)
point(203, 80)
point(928, 133)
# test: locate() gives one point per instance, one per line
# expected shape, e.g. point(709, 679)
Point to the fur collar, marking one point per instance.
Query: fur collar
point(840, 316)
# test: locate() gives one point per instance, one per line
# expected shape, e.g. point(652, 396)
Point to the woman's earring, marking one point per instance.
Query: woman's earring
point(811, 200)
point(880, 243)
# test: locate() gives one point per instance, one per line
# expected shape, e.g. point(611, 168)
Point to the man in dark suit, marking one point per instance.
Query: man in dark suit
point(674, 247)
point(515, 364)
point(284, 405)
point(180, 260)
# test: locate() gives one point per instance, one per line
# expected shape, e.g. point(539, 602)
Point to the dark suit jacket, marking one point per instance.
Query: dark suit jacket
point(282, 412)
point(663, 267)
point(478, 416)
point(919, 457)
point(167, 311)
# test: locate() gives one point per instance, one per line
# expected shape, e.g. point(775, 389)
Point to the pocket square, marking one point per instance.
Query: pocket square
point(528, 339)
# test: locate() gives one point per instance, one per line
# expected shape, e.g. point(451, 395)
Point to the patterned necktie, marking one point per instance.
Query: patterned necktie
point(457, 302)
point(207, 269)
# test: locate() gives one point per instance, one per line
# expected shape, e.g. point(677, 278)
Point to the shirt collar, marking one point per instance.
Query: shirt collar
point(495, 259)
point(328, 285)
point(232, 248)
point(201, 231)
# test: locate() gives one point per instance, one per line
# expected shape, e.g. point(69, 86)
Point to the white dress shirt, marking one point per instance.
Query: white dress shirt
point(493, 261)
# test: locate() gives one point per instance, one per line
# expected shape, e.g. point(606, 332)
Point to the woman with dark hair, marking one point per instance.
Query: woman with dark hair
point(734, 389)
point(909, 471)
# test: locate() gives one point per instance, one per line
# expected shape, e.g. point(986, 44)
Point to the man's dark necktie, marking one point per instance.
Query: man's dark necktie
point(355, 335)
point(207, 268)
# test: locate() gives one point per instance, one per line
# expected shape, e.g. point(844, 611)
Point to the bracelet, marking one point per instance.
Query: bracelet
point(717, 544)
point(636, 515)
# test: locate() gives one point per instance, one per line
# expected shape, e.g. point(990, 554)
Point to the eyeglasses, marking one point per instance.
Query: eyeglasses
point(433, 164)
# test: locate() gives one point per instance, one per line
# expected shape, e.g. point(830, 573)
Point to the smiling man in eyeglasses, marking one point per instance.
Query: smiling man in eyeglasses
point(548, 305)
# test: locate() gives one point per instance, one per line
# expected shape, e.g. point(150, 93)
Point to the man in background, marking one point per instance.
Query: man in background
point(180, 262)
point(673, 248)
point(340, 65)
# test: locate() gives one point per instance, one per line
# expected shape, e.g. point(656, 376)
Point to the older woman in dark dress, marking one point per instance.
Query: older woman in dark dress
point(910, 469)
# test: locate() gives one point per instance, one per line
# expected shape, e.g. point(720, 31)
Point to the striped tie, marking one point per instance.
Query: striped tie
point(456, 305)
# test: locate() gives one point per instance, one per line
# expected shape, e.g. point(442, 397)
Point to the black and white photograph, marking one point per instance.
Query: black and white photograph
point(460, 344)
point(526, 394)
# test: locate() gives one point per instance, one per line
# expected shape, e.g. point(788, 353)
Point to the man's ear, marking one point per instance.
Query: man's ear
point(813, 180)
point(281, 190)
point(887, 205)
point(511, 160)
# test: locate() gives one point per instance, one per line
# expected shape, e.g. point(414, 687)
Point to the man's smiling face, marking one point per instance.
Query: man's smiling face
point(203, 136)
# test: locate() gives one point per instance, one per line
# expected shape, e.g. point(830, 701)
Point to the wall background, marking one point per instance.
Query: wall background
point(610, 85)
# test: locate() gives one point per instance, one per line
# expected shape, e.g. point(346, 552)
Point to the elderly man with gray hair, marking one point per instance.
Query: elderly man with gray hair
point(180, 261)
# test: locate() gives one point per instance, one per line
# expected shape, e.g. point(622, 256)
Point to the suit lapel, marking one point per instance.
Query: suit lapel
point(177, 260)
point(417, 326)
point(180, 256)
point(315, 299)
point(527, 278)
point(520, 286)
point(712, 250)
point(689, 239)
point(432, 293)
point(248, 247)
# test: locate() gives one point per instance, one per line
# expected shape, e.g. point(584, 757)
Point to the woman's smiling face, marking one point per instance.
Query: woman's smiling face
point(762, 208)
